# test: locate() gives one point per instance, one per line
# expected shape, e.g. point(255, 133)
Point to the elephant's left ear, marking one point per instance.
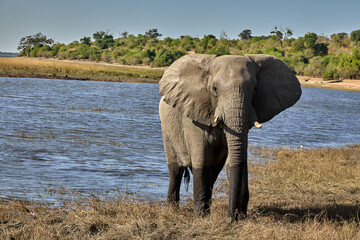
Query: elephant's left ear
point(277, 87)
point(184, 87)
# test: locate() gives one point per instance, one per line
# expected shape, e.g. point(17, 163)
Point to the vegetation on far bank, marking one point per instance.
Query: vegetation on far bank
point(295, 194)
point(8, 54)
point(27, 67)
point(337, 56)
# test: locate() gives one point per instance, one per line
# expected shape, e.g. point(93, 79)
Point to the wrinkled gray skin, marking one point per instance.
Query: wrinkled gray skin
point(234, 90)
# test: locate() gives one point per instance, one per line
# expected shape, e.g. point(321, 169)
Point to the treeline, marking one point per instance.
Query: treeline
point(8, 54)
point(337, 56)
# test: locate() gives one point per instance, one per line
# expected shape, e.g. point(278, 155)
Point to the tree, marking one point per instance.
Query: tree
point(152, 33)
point(298, 44)
point(99, 35)
point(32, 41)
point(85, 40)
point(224, 37)
point(168, 41)
point(245, 34)
point(355, 37)
point(318, 49)
point(310, 40)
point(124, 34)
point(208, 41)
point(103, 40)
point(281, 34)
point(338, 38)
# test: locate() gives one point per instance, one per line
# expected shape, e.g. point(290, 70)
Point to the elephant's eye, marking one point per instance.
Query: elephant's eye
point(215, 90)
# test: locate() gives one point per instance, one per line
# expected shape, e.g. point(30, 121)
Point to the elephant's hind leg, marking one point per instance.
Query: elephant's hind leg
point(176, 172)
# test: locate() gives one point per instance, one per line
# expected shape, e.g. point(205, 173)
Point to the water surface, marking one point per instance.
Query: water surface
point(103, 138)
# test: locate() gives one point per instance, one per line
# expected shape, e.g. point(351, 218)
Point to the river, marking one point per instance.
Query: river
point(105, 138)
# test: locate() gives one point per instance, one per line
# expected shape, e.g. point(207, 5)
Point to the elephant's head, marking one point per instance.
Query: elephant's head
point(234, 91)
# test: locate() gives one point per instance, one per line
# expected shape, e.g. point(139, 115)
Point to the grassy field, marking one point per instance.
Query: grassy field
point(42, 68)
point(295, 194)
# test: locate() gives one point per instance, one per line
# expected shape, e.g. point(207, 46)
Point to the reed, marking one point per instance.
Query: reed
point(42, 68)
point(295, 194)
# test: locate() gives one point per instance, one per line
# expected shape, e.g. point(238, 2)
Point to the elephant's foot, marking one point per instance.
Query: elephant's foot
point(238, 215)
point(201, 209)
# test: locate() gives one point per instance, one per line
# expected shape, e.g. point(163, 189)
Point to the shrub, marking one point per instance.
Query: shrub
point(218, 51)
point(274, 52)
point(106, 56)
point(349, 65)
point(61, 55)
point(83, 52)
point(95, 54)
point(34, 51)
point(330, 72)
point(73, 44)
point(315, 67)
point(44, 51)
point(165, 57)
point(133, 58)
point(118, 52)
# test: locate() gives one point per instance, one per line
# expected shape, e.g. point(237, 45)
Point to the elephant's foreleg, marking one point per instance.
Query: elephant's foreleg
point(202, 190)
point(239, 191)
point(176, 172)
point(215, 171)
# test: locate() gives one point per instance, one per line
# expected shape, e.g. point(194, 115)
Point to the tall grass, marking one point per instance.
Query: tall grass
point(23, 67)
point(295, 194)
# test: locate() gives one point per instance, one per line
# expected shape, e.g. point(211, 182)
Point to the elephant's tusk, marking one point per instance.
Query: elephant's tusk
point(257, 124)
point(216, 120)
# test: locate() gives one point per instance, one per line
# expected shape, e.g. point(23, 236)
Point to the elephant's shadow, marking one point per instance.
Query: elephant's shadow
point(334, 212)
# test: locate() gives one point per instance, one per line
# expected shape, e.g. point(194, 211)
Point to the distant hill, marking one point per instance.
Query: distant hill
point(8, 54)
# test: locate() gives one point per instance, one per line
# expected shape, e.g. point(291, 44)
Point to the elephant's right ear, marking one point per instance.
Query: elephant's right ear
point(184, 87)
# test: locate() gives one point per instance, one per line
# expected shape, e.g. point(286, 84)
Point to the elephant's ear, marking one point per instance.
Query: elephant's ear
point(277, 87)
point(184, 87)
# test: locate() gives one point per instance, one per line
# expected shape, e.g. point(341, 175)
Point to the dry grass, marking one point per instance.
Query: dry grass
point(24, 67)
point(296, 194)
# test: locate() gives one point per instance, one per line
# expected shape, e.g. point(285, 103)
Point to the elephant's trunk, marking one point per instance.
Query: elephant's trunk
point(236, 125)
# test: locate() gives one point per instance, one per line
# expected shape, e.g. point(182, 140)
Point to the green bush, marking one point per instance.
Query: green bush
point(274, 52)
point(133, 58)
point(106, 56)
point(349, 65)
point(44, 51)
point(165, 57)
point(83, 52)
point(218, 51)
point(330, 72)
point(95, 54)
point(315, 67)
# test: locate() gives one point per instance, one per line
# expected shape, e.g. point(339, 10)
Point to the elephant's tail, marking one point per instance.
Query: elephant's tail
point(187, 179)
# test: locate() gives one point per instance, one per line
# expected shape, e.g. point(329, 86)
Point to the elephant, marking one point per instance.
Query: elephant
point(208, 104)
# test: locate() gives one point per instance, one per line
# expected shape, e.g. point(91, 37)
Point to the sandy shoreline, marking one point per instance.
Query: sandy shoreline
point(344, 85)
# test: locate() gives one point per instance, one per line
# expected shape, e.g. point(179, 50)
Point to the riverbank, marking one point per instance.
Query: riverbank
point(343, 85)
point(77, 70)
point(296, 194)
point(100, 71)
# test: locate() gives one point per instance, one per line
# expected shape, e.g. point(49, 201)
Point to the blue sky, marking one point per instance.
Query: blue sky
point(69, 20)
